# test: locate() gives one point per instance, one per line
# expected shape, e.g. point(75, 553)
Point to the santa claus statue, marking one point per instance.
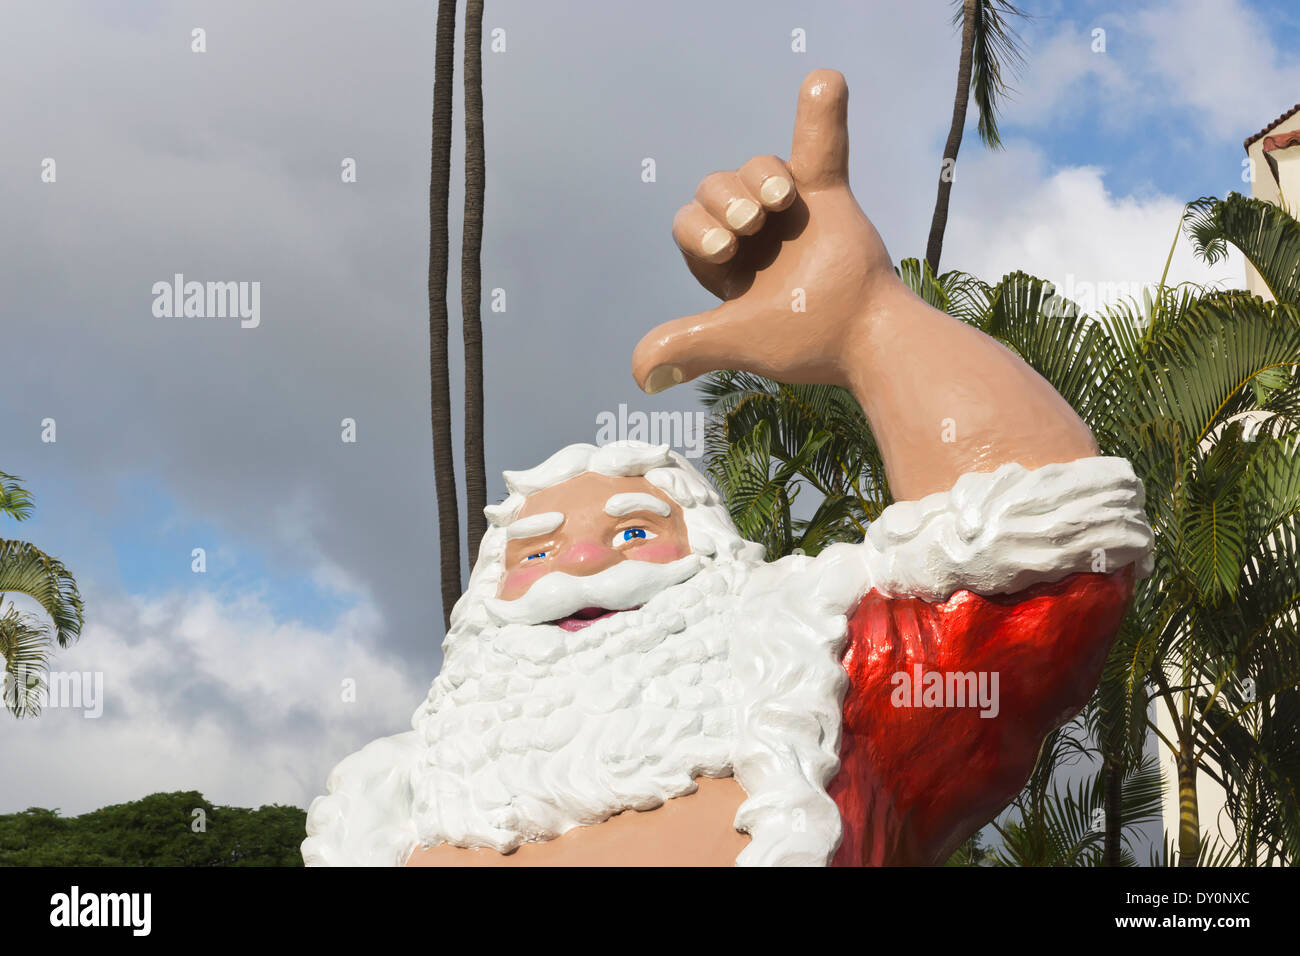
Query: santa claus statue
point(627, 681)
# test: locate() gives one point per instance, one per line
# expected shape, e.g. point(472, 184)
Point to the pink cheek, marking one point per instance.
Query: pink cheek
point(660, 552)
point(519, 581)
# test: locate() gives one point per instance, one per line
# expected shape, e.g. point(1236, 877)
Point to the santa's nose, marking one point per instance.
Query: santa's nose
point(586, 557)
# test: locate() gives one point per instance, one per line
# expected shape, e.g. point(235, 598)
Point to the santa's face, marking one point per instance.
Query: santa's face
point(585, 526)
point(599, 682)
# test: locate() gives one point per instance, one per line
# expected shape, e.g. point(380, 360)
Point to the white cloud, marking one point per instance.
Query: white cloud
point(1057, 64)
point(1212, 64)
point(1218, 58)
point(201, 694)
point(1065, 226)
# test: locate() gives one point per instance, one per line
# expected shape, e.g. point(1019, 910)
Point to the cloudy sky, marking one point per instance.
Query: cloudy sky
point(321, 563)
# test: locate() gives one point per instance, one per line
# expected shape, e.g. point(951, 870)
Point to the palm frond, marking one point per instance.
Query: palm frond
point(1265, 233)
point(25, 650)
point(15, 500)
point(969, 298)
point(995, 57)
point(1067, 348)
point(916, 275)
point(1201, 373)
point(26, 569)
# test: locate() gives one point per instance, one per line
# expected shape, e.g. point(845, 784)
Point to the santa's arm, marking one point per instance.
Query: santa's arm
point(944, 399)
point(1011, 548)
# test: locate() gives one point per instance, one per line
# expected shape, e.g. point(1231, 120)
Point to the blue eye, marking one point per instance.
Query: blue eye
point(537, 554)
point(633, 534)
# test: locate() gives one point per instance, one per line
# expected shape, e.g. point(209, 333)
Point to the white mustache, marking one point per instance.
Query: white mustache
point(626, 585)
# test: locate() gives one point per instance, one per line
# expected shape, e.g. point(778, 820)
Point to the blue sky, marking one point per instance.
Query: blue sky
point(150, 530)
point(1160, 141)
point(321, 558)
point(143, 544)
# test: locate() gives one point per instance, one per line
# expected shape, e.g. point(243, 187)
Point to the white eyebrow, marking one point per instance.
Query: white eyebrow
point(534, 525)
point(625, 504)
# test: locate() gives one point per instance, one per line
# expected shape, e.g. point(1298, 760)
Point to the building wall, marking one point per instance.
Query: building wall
point(1265, 187)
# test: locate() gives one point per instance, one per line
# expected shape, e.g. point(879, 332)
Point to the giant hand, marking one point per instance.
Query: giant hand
point(810, 296)
point(770, 238)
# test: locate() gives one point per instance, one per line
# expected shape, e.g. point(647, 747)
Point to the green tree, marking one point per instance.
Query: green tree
point(25, 639)
point(1221, 645)
point(990, 49)
point(162, 829)
point(1051, 825)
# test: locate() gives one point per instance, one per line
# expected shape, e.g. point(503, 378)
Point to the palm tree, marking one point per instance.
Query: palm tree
point(1047, 825)
point(471, 280)
point(24, 638)
point(444, 465)
point(989, 46)
point(1212, 635)
point(766, 441)
point(1233, 694)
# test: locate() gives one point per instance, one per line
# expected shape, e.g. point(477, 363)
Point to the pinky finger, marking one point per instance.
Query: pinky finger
point(701, 236)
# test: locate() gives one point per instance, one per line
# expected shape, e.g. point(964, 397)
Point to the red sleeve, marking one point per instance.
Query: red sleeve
point(919, 770)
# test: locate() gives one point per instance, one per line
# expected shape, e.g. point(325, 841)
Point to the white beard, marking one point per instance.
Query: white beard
point(530, 730)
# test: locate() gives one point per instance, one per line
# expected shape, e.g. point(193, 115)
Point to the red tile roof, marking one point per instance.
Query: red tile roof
point(1264, 132)
point(1281, 140)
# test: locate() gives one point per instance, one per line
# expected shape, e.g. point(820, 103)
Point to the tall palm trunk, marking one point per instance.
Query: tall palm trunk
point(444, 465)
point(1112, 721)
point(1189, 817)
point(934, 247)
point(1114, 784)
point(471, 280)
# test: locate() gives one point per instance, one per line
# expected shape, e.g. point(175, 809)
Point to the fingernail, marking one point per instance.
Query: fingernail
point(715, 240)
point(665, 376)
point(774, 189)
point(741, 212)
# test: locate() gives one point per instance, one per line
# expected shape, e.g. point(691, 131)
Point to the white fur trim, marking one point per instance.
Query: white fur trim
point(1002, 531)
point(994, 533)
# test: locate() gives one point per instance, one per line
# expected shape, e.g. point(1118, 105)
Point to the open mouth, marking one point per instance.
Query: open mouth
point(584, 618)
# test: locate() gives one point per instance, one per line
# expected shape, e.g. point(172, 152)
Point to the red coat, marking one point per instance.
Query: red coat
point(915, 781)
